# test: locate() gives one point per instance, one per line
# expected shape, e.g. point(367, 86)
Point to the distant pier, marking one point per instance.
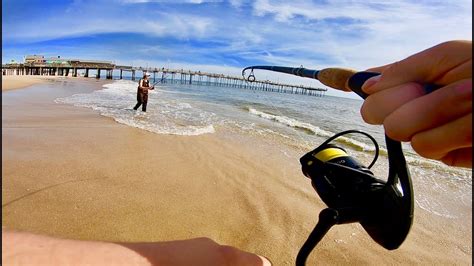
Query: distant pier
point(38, 65)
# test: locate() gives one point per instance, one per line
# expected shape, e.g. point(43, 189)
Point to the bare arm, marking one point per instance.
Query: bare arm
point(21, 248)
point(29, 249)
point(140, 85)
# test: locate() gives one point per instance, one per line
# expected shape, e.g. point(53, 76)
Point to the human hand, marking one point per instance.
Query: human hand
point(439, 124)
point(197, 251)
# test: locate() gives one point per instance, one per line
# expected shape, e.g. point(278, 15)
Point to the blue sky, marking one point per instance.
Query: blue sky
point(225, 36)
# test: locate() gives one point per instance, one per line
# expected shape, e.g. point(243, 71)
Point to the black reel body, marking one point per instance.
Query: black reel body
point(340, 182)
point(353, 194)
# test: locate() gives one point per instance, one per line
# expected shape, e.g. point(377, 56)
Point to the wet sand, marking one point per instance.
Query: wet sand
point(69, 172)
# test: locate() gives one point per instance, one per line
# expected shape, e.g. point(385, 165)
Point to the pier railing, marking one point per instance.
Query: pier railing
point(164, 75)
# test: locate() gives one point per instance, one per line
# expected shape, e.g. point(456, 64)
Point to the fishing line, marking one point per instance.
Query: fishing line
point(250, 79)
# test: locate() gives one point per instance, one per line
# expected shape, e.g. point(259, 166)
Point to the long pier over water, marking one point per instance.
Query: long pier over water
point(38, 65)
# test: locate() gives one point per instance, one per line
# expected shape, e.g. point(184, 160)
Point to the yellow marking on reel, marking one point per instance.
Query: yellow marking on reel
point(329, 154)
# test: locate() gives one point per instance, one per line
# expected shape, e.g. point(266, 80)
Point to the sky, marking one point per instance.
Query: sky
point(224, 36)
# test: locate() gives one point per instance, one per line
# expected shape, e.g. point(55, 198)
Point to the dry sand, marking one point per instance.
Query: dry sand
point(69, 172)
point(10, 82)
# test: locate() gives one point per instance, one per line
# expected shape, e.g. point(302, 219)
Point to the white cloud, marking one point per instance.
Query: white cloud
point(236, 3)
point(153, 23)
point(283, 10)
point(170, 1)
point(381, 31)
point(181, 26)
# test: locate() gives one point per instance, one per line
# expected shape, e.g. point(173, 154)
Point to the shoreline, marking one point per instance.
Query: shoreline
point(69, 172)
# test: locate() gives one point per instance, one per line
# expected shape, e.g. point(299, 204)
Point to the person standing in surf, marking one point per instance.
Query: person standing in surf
point(142, 92)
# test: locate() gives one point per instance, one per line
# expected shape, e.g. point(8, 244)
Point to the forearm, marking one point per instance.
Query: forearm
point(30, 249)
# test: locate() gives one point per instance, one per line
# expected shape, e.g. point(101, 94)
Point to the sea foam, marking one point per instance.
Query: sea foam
point(163, 116)
point(311, 129)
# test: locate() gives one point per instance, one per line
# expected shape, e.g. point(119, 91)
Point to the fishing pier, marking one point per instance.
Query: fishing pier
point(38, 65)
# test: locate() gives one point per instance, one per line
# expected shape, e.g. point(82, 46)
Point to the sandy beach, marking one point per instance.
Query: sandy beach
point(11, 82)
point(69, 172)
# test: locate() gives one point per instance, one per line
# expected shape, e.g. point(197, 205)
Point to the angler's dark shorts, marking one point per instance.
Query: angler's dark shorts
point(142, 97)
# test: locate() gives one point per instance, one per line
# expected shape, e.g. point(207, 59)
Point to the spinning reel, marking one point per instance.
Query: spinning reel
point(349, 189)
point(353, 194)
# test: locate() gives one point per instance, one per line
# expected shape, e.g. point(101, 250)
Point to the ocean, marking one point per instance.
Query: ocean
point(291, 121)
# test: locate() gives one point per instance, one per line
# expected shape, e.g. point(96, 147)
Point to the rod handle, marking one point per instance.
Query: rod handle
point(335, 77)
point(345, 79)
point(355, 82)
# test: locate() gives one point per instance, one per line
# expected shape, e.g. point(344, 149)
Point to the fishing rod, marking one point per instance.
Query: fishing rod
point(349, 189)
point(338, 78)
point(159, 81)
